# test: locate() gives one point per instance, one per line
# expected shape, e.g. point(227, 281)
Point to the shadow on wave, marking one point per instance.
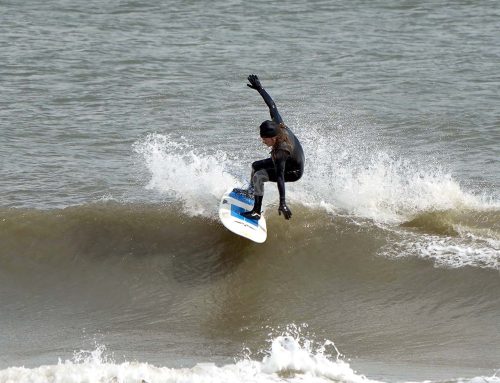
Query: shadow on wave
point(192, 250)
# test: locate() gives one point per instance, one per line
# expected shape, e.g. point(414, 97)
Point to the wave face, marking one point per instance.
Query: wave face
point(186, 280)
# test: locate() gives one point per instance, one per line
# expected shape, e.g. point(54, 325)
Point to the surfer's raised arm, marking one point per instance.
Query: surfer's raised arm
point(273, 110)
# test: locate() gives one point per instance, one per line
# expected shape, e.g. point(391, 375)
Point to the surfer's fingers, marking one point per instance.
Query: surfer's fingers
point(254, 81)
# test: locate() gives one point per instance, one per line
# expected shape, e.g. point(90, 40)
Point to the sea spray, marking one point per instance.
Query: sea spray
point(180, 171)
point(347, 173)
point(342, 175)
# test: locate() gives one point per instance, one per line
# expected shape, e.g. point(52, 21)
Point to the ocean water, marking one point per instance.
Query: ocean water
point(123, 122)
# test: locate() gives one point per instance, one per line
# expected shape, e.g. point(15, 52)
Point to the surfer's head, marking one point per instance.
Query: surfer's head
point(269, 129)
point(269, 132)
point(272, 133)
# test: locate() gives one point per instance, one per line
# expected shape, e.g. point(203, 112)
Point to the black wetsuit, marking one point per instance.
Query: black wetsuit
point(287, 159)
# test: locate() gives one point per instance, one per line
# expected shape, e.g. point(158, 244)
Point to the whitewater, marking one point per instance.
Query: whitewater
point(343, 179)
point(286, 361)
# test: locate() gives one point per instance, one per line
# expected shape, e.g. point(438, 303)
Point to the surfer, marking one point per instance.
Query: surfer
point(286, 163)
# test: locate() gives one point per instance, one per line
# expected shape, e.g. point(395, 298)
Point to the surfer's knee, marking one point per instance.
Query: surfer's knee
point(261, 176)
point(293, 176)
point(258, 180)
point(262, 164)
point(256, 165)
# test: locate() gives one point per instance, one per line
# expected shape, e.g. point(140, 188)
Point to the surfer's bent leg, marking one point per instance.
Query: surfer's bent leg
point(290, 176)
point(258, 179)
point(264, 171)
point(259, 176)
point(257, 166)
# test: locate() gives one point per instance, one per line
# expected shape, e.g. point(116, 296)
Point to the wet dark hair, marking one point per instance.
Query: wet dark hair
point(281, 136)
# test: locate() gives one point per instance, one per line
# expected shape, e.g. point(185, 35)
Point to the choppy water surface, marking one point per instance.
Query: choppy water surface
point(122, 123)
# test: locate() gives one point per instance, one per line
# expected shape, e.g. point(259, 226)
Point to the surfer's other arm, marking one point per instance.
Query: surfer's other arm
point(273, 110)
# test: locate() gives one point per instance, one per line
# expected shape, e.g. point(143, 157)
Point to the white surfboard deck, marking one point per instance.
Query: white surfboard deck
point(231, 206)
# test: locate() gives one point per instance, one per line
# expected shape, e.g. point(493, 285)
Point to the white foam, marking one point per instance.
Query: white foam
point(452, 252)
point(453, 255)
point(288, 355)
point(342, 175)
point(481, 379)
point(346, 172)
point(182, 172)
point(288, 361)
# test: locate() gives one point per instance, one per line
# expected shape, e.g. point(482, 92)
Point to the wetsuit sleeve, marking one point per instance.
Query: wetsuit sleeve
point(273, 110)
point(280, 158)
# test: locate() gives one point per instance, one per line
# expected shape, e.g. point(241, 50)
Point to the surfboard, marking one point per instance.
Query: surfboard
point(231, 206)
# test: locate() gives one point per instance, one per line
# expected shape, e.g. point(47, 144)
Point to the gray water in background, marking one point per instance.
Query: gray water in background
point(81, 81)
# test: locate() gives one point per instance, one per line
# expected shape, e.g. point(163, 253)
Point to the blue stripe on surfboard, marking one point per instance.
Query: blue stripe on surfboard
point(241, 197)
point(236, 212)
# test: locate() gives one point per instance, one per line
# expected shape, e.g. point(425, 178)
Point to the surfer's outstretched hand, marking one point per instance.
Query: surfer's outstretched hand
point(287, 213)
point(254, 82)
